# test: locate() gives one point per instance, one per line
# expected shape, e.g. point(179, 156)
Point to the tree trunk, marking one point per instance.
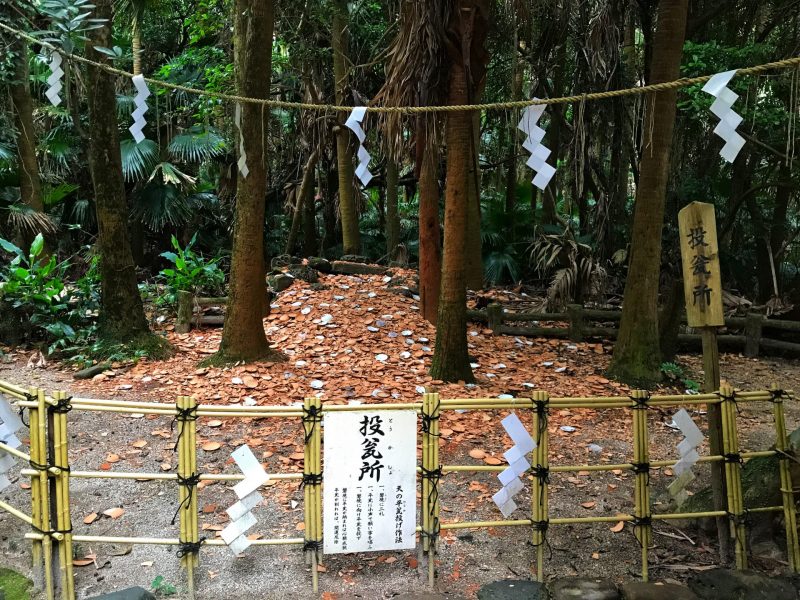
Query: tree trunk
point(351, 237)
point(310, 220)
point(511, 125)
point(301, 200)
point(121, 312)
point(136, 46)
point(430, 243)
point(392, 215)
point(474, 257)
point(466, 36)
point(637, 356)
point(329, 208)
point(243, 335)
point(30, 187)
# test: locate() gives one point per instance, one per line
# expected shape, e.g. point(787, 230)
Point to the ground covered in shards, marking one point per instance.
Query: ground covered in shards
point(355, 339)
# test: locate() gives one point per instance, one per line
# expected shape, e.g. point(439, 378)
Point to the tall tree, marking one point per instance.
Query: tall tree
point(466, 34)
point(637, 357)
point(392, 214)
point(243, 336)
point(430, 238)
point(121, 312)
point(30, 186)
point(348, 212)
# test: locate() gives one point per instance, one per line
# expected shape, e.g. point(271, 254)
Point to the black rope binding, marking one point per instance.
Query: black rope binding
point(731, 398)
point(62, 406)
point(542, 410)
point(733, 458)
point(433, 476)
point(29, 398)
point(312, 545)
point(746, 519)
point(311, 415)
point(776, 395)
point(541, 473)
point(186, 548)
point(642, 468)
point(311, 479)
point(428, 419)
point(190, 483)
point(638, 524)
point(38, 466)
point(640, 403)
point(185, 415)
point(542, 526)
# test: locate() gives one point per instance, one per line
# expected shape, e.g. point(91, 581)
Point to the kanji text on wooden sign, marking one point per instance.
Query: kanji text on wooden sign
point(702, 283)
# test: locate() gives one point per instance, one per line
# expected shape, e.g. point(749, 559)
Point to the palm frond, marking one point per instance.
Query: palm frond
point(158, 205)
point(138, 160)
point(24, 219)
point(197, 145)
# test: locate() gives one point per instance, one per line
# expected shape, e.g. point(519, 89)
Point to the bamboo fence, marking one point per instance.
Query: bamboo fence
point(50, 519)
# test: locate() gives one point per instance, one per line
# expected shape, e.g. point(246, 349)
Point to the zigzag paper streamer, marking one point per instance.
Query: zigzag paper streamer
point(140, 100)
point(9, 424)
point(53, 93)
point(234, 535)
point(533, 144)
point(729, 120)
point(354, 123)
point(242, 163)
point(518, 464)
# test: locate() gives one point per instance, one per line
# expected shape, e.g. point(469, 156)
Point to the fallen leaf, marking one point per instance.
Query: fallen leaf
point(112, 458)
point(114, 513)
point(300, 526)
point(214, 423)
point(250, 381)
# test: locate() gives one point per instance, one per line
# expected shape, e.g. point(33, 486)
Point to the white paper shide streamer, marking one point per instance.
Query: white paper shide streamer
point(687, 448)
point(10, 423)
point(53, 92)
point(517, 461)
point(235, 534)
point(242, 163)
point(354, 123)
point(534, 134)
point(729, 119)
point(140, 101)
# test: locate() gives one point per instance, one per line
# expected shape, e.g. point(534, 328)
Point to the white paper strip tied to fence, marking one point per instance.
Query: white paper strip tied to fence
point(53, 93)
point(140, 100)
point(10, 423)
point(235, 534)
point(242, 164)
point(534, 134)
point(517, 461)
point(729, 119)
point(354, 123)
point(687, 449)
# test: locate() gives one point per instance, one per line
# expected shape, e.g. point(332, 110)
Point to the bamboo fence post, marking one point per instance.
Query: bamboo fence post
point(424, 483)
point(431, 473)
point(539, 490)
point(42, 464)
point(63, 514)
point(641, 461)
point(787, 491)
point(37, 550)
point(186, 411)
point(733, 465)
point(312, 474)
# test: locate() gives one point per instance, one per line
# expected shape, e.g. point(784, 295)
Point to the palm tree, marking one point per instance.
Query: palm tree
point(134, 11)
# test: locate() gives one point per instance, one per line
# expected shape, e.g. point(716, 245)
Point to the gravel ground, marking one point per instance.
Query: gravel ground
point(467, 559)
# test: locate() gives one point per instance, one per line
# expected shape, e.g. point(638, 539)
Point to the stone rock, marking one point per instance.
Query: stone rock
point(285, 260)
point(281, 282)
point(353, 268)
point(511, 589)
point(422, 596)
point(768, 549)
point(322, 265)
point(90, 372)
point(356, 258)
point(134, 593)
point(579, 588)
point(740, 585)
point(304, 273)
point(654, 591)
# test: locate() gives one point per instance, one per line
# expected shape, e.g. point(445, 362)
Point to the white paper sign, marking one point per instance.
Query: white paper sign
point(9, 423)
point(370, 474)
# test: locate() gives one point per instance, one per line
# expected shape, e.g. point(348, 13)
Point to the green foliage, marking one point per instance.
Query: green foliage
point(45, 308)
point(190, 271)
point(71, 21)
point(674, 372)
point(162, 587)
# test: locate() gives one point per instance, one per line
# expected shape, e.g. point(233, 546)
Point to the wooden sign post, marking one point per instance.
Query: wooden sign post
point(702, 289)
